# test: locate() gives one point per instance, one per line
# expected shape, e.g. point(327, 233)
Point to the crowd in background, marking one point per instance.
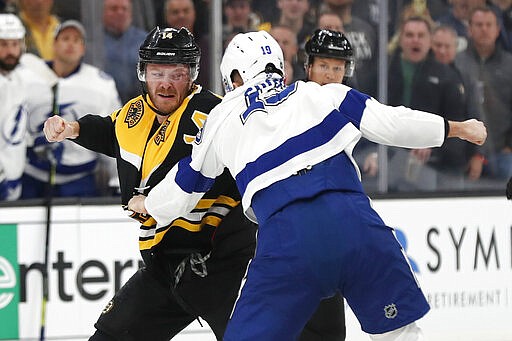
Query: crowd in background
point(451, 57)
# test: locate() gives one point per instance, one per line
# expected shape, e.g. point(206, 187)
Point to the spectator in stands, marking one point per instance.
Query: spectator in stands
point(369, 11)
point(267, 10)
point(79, 89)
point(418, 81)
point(444, 46)
point(67, 9)
point(12, 110)
point(330, 21)
point(293, 14)
point(190, 14)
point(121, 46)
point(287, 39)
point(436, 8)
point(504, 5)
point(143, 12)
point(488, 73)
point(458, 18)
point(8, 6)
point(239, 18)
point(40, 24)
point(505, 13)
point(201, 12)
point(408, 11)
point(363, 38)
point(182, 13)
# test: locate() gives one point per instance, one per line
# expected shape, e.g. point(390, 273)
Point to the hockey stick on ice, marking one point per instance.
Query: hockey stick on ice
point(48, 204)
point(40, 68)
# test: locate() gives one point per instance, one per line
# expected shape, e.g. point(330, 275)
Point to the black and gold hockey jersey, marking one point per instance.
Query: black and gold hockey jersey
point(146, 150)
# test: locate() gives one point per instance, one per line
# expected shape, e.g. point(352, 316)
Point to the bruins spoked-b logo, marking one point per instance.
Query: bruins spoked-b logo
point(390, 311)
point(134, 113)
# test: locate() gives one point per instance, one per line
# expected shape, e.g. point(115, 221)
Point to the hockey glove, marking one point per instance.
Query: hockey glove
point(509, 189)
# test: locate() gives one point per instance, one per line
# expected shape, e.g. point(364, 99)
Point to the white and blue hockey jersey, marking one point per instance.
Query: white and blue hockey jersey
point(263, 134)
point(13, 129)
point(86, 90)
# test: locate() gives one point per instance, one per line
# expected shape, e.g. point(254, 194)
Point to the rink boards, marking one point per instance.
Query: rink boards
point(460, 249)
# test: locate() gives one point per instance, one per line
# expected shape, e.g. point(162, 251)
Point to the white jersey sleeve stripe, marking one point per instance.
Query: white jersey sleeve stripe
point(190, 180)
point(353, 106)
point(312, 138)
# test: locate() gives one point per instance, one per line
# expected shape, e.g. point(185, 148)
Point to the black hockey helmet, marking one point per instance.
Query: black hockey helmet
point(330, 44)
point(169, 46)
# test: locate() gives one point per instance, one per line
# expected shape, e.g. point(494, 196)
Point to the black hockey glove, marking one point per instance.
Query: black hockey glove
point(509, 189)
point(140, 217)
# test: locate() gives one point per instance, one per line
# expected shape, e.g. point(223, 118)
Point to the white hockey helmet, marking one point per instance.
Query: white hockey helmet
point(11, 27)
point(250, 54)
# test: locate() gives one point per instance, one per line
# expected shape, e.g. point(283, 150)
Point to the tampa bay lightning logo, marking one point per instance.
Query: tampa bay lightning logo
point(37, 153)
point(63, 110)
point(13, 131)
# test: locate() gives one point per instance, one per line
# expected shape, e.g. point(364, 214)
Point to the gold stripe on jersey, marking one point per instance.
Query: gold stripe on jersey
point(220, 200)
point(207, 212)
point(198, 118)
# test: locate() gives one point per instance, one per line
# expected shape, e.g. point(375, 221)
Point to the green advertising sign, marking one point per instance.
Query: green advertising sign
point(9, 282)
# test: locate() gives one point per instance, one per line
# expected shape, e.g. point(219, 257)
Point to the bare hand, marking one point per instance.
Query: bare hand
point(476, 165)
point(422, 155)
point(57, 129)
point(471, 130)
point(371, 164)
point(136, 204)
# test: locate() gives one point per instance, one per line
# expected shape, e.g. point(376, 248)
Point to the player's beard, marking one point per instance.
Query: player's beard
point(9, 63)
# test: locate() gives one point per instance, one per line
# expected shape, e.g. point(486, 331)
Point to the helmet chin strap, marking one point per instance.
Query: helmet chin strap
point(158, 112)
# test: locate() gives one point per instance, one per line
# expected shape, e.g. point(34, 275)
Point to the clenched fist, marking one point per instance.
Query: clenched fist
point(57, 129)
point(136, 204)
point(472, 130)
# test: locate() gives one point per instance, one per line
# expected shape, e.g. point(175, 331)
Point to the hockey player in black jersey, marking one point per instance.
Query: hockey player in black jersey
point(195, 265)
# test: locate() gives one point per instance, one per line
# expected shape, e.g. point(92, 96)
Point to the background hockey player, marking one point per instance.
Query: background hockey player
point(13, 116)
point(76, 89)
point(330, 59)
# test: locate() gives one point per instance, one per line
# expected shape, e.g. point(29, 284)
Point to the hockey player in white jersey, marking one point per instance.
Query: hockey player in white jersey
point(289, 149)
point(80, 89)
point(13, 117)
